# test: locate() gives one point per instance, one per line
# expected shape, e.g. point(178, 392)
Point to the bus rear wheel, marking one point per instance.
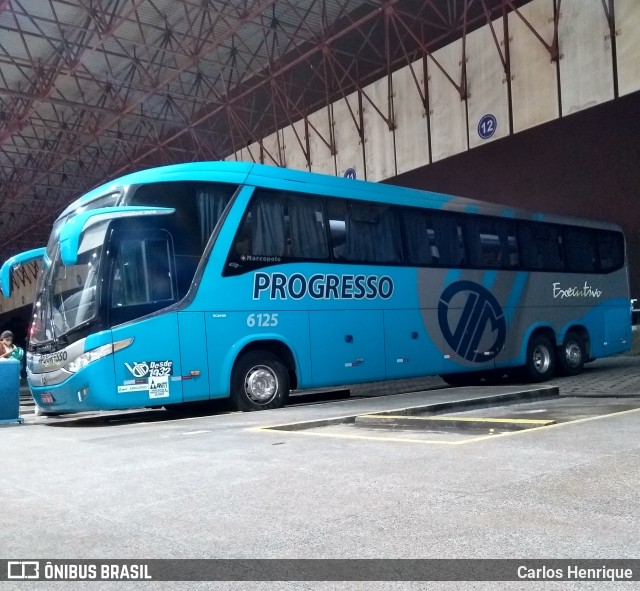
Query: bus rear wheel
point(540, 359)
point(260, 381)
point(571, 355)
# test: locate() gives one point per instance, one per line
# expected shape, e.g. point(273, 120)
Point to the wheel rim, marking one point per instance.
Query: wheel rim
point(573, 354)
point(541, 359)
point(261, 384)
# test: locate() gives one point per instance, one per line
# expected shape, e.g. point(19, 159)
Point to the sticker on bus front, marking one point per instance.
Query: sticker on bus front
point(143, 369)
point(132, 388)
point(159, 387)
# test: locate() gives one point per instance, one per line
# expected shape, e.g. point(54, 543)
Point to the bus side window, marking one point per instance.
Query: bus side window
point(541, 247)
point(211, 200)
point(129, 287)
point(364, 232)
point(449, 240)
point(512, 247)
point(262, 231)
point(281, 224)
point(242, 242)
point(580, 248)
point(142, 273)
point(531, 258)
point(419, 238)
point(493, 243)
point(268, 226)
point(484, 243)
point(337, 224)
point(610, 250)
point(307, 235)
point(373, 233)
point(199, 207)
point(158, 264)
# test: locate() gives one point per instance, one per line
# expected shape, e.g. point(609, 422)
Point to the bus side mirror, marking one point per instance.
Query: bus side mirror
point(16, 261)
point(71, 232)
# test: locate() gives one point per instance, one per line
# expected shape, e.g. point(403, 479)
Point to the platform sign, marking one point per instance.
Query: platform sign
point(487, 126)
point(350, 173)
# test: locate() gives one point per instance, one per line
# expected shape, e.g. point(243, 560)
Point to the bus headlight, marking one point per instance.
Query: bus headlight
point(98, 353)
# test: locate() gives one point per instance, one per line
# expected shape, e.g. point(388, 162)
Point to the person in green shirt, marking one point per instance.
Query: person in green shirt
point(7, 349)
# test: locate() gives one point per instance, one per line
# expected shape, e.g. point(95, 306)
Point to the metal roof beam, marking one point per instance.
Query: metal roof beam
point(55, 81)
point(257, 8)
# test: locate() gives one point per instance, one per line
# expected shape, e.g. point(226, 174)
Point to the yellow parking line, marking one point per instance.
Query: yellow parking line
point(347, 436)
point(574, 422)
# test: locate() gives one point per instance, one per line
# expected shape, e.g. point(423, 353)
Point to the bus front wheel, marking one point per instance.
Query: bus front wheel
point(260, 381)
point(540, 359)
point(571, 355)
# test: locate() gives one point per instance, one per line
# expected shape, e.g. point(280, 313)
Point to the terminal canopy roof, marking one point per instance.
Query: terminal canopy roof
point(91, 89)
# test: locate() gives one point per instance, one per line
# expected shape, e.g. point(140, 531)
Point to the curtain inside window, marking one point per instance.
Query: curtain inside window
point(308, 235)
point(211, 203)
point(374, 237)
point(267, 227)
point(416, 234)
point(473, 234)
point(448, 241)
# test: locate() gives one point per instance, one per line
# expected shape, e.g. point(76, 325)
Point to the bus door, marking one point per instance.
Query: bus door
point(138, 283)
point(149, 372)
point(347, 346)
point(141, 284)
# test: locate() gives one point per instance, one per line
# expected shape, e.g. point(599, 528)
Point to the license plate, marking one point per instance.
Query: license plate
point(47, 398)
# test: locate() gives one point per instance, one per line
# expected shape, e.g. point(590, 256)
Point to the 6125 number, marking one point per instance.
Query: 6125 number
point(262, 320)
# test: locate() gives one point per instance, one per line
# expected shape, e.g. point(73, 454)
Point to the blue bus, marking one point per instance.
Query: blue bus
point(216, 279)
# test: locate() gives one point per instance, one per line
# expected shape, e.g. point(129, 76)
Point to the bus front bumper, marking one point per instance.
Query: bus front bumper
point(91, 388)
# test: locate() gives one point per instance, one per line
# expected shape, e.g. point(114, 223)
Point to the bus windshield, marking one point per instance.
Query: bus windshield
point(60, 306)
point(68, 295)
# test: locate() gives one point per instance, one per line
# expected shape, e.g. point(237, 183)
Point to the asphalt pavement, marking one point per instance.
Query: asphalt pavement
point(148, 484)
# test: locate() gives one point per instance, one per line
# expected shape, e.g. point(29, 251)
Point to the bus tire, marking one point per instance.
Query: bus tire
point(571, 355)
point(260, 381)
point(541, 359)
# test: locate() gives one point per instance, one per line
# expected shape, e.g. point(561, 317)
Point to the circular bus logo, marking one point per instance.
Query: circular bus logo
point(480, 321)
